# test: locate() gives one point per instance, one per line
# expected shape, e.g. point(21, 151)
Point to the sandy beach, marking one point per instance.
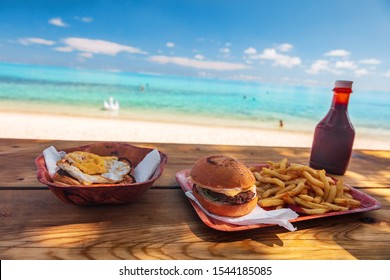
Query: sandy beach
point(61, 127)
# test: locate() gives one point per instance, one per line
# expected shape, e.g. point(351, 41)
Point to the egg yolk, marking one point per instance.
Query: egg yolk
point(88, 163)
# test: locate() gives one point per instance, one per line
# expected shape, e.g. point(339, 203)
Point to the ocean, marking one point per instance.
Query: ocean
point(69, 91)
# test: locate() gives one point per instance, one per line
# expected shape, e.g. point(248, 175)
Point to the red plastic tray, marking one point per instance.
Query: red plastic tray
point(368, 203)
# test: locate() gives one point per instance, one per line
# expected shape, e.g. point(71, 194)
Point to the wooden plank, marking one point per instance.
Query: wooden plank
point(368, 169)
point(238, 250)
point(163, 225)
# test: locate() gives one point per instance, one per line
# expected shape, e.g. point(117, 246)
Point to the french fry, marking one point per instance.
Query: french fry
point(339, 189)
point(315, 211)
point(346, 189)
point(297, 189)
point(273, 164)
point(287, 198)
point(270, 191)
point(257, 176)
point(347, 195)
point(283, 163)
point(296, 168)
point(332, 194)
point(286, 189)
point(335, 207)
point(317, 190)
point(324, 180)
point(270, 180)
point(270, 202)
point(318, 199)
point(301, 168)
point(347, 202)
point(305, 191)
point(276, 174)
point(326, 191)
point(313, 180)
point(306, 197)
point(260, 190)
point(309, 204)
point(295, 181)
point(330, 180)
point(265, 187)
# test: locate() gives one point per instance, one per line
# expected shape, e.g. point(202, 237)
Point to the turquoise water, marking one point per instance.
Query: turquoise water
point(156, 97)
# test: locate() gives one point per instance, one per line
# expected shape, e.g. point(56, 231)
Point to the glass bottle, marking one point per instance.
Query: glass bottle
point(334, 134)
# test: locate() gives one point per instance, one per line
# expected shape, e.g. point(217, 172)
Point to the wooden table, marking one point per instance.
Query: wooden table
point(34, 224)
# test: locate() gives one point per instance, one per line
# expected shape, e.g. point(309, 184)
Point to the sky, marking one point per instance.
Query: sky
point(297, 42)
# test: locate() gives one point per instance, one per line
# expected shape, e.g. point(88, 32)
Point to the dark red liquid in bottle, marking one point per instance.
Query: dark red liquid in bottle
point(334, 135)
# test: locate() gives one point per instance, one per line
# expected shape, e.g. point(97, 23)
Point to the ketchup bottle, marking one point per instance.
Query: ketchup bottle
point(334, 134)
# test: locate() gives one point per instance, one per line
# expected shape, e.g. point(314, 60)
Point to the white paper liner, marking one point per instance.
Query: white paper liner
point(51, 156)
point(279, 217)
point(146, 168)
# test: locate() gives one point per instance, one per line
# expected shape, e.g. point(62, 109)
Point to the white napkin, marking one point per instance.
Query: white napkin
point(146, 168)
point(51, 156)
point(279, 217)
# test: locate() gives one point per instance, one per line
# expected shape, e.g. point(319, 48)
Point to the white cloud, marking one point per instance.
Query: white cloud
point(387, 74)
point(187, 62)
point(285, 47)
point(112, 70)
point(250, 50)
point(170, 44)
point(84, 19)
point(338, 53)
point(39, 41)
point(204, 74)
point(370, 61)
point(57, 22)
point(278, 59)
point(361, 72)
point(268, 54)
point(224, 50)
point(345, 64)
point(64, 49)
point(243, 77)
point(87, 19)
point(319, 66)
point(199, 57)
point(96, 47)
point(337, 68)
point(86, 55)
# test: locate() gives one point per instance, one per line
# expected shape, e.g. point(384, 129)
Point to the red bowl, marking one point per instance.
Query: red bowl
point(102, 193)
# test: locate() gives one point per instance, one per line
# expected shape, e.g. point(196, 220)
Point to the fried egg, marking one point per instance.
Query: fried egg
point(90, 168)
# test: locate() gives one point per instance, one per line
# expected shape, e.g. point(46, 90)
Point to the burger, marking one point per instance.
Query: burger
point(224, 186)
point(88, 169)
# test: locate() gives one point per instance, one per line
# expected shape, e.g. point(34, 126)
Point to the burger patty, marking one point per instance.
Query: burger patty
point(240, 198)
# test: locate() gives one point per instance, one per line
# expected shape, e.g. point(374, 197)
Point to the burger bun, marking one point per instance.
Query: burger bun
point(222, 172)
